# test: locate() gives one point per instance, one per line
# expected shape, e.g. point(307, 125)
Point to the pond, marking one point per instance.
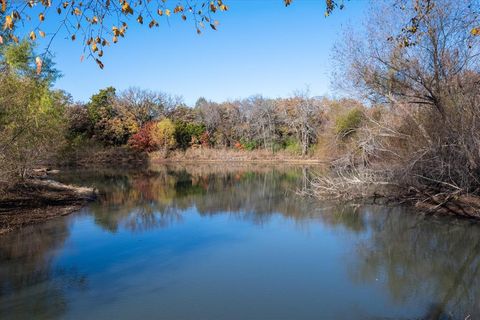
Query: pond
point(230, 241)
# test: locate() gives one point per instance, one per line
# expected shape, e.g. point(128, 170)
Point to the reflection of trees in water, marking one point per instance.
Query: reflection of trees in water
point(350, 217)
point(140, 201)
point(31, 286)
point(418, 257)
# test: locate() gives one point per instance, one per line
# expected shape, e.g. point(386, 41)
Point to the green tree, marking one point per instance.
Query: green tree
point(101, 105)
point(31, 113)
point(187, 132)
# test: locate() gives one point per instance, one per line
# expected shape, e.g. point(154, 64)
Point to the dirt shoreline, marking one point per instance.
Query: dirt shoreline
point(37, 200)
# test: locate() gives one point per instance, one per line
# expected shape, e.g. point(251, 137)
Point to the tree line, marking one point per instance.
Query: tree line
point(152, 121)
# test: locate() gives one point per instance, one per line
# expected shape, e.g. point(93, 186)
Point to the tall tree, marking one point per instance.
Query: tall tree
point(31, 113)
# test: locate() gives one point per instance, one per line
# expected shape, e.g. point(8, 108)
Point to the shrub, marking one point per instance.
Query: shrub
point(347, 123)
point(186, 131)
point(205, 139)
point(293, 147)
point(238, 146)
point(249, 144)
point(142, 140)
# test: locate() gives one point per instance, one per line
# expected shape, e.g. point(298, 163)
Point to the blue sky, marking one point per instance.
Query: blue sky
point(260, 47)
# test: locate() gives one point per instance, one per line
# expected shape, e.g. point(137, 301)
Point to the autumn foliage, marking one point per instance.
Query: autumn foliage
point(153, 136)
point(142, 140)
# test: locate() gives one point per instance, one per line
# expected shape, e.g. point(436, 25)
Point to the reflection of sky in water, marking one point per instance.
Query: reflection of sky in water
point(206, 242)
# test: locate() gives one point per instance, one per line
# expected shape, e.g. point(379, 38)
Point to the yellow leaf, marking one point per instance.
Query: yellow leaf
point(41, 16)
point(178, 9)
point(41, 33)
point(126, 8)
point(167, 12)
point(8, 23)
point(32, 36)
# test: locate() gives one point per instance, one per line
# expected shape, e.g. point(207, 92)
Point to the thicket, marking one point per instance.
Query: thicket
point(422, 142)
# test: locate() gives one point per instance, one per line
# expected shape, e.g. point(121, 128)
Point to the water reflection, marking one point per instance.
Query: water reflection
point(157, 198)
point(437, 259)
point(30, 282)
point(417, 267)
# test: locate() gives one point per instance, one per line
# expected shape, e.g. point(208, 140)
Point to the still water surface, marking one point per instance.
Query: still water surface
point(236, 242)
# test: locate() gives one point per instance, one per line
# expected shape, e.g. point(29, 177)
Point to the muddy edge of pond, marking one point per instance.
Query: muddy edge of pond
point(37, 200)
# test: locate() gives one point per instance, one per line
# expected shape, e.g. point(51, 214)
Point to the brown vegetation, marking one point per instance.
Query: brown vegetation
point(230, 155)
point(423, 143)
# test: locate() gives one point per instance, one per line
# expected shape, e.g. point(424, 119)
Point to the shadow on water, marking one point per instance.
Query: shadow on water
point(433, 262)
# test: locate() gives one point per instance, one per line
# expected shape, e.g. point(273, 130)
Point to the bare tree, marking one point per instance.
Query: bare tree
point(303, 115)
point(146, 105)
point(421, 72)
point(261, 120)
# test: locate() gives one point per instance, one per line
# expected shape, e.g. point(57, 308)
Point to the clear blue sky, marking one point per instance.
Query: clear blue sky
point(260, 47)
